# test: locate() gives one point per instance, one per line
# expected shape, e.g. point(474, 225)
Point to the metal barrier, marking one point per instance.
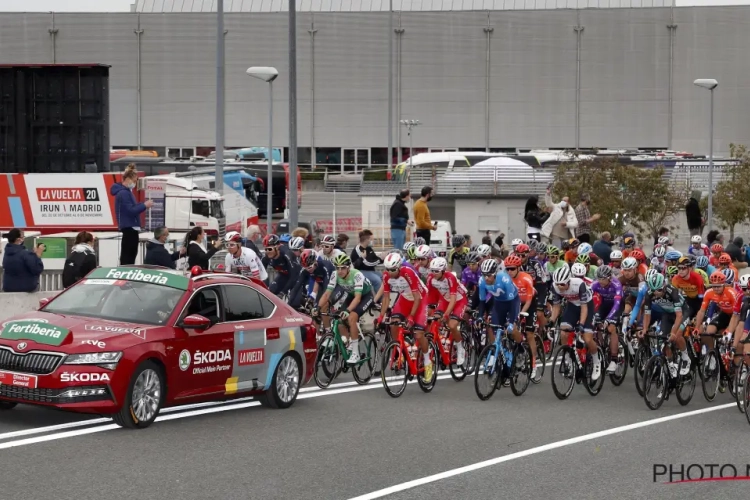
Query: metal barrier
point(49, 281)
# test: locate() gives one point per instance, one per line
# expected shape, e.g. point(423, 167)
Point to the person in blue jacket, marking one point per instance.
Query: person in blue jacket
point(21, 267)
point(128, 214)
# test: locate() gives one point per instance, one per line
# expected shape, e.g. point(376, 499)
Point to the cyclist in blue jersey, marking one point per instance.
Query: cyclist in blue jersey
point(496, 289)
point(313, 278)
point(279, 257)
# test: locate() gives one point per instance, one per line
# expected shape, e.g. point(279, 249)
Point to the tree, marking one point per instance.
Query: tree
point(732, 207)
point(651, 200)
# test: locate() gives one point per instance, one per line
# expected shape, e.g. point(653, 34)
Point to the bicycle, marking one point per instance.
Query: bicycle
point(574, 363)
point(623, 354)
point(502, 360)
point(540, 354)
point(717, 367)
point(446, 349)
point(663, 369)
point(333, 355)
point(743, 374)
point(404, 357)
point(477, 337)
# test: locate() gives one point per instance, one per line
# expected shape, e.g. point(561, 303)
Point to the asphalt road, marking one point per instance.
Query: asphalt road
point(351, 441)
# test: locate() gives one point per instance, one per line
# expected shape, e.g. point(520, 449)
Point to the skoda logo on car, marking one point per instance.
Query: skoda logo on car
point(21, 346)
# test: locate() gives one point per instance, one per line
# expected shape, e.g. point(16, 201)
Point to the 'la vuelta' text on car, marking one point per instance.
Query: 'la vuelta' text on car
point(125, 342)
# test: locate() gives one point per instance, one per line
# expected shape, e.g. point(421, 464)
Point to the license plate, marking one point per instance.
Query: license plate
point(18, 379)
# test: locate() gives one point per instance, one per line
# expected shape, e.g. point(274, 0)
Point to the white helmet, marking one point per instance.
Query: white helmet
point(584, 248)
point(408, 245)
point(659, 251)
point(297, 243)
point(561, 276)
point(696, 239)
point(484, 250)
point(516, 242)
point(438, 263)
point(663, 240)
point(615, 255)
point(745, 281)
point(490, 266)
point(232, 236)
point(423, 251)
point(650, 273)
point(392, 261)
point(578, 270)
point(629, 263)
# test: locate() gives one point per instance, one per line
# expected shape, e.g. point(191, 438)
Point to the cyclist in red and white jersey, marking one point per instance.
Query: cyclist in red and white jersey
point(447, 295)
point(242, 260)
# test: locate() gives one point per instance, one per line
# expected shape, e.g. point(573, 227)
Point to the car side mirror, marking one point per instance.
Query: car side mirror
point(43, 302)
point(195, 322)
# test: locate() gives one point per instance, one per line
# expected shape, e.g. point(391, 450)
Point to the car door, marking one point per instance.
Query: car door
point(204, 358)
point(255, 349)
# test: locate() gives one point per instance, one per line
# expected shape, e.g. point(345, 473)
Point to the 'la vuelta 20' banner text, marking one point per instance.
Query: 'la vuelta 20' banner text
point(691, 473)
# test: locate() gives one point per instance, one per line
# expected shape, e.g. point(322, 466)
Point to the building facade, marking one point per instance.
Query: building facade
point(494, 79)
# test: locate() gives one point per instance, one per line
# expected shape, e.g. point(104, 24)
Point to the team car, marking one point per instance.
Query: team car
point(126, 342)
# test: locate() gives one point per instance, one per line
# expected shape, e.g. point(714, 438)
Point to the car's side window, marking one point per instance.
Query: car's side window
point(206, 303)
point(242, 303)
point(268, 306)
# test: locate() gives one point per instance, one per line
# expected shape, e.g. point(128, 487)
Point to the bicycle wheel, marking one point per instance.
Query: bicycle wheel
point(540, 360)
point(459, 372)
point(747, 401)
point(740, 379)
point(641, 358)
point(594, 387)
point(655, 382)
point(520, 371)
point(328, 361)
point(394, 370)
point(367, 348)
point(487, 373)
point(711, 375)
point(427, 385)
point(623, 360)
point(564, 372)
point(553, 343)
point(686, 385)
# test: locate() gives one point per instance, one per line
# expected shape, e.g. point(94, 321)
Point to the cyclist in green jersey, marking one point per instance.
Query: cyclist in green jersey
point(590, 268)
point(351, 283)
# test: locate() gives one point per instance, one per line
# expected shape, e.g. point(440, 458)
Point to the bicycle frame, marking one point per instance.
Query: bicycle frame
point(444, 350)
point(404, 348)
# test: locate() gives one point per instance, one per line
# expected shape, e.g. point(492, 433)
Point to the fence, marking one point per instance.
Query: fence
point(49, 281)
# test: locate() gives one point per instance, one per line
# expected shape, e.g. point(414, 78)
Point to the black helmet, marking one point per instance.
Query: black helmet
point(458, 240)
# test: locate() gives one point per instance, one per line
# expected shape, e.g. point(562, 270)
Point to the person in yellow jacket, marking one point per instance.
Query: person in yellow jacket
point(424, 224)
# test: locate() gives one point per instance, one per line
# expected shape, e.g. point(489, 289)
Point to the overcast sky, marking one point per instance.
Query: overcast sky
point(124, 5)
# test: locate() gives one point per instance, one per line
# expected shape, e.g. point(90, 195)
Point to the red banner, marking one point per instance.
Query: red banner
point(343, 225)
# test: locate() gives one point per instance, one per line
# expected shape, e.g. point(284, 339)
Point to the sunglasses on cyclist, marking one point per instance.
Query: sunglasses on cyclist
point(270, 249)
point(681, 268)
point(342, 267)
point(511, 269)
point(522, 254)
point(487, 275)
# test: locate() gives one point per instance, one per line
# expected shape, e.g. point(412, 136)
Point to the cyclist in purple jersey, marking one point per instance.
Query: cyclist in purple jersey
point(610, 292)
point(470, 278)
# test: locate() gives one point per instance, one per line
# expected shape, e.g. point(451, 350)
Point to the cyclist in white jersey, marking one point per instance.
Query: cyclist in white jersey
point(242, 260)
point(327, 251)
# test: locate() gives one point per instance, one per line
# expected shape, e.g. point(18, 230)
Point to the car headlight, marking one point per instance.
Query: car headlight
point(106, 360)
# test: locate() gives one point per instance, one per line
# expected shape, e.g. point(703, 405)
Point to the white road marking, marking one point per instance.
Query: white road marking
point(532, 451)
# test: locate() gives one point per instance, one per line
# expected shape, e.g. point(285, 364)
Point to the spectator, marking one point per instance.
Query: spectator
point(663, 231)
point(534, 218)
point(583, 231)
point(81, 261)
point(714, 236)
point(157, 254)
point(128, 214)
point(253, 236)
point(197, 256)
point(736, 251)
point(425, 226)
point(498, 240)
point(399, 219)
point(562, 222)
point(303, 233)
point(21, 266)
point(366, 260)
point(693, 215)
point(342, 241)
point(467, 237)
point(603, 247)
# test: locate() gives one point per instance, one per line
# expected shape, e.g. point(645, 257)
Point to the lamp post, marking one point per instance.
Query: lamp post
point(710, 84)
point(410, 124)
point(268, 75)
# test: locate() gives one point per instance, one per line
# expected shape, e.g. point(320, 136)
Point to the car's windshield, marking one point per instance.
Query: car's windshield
point(118, 300)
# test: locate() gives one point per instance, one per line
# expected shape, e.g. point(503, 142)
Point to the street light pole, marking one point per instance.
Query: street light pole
point(710, 84)
point(390, 87)
point(410, 124)
point(292, 198)
point(220, 106)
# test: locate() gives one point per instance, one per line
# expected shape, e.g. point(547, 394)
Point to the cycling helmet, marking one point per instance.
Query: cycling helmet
point(717, 278)
point(561, 276)
point(423, 251)
point(574, 243)
point(419, 241)
point(308, 257)
point(522, 248)
point(604, 273)
point(659, 251)
point(583, 259)
point(473, 248)
point(629, 263)
point(638, 255)
point(672, 255)
point(565, 246)
point(542, 248)
point(342, 260)
point(408, 245)
point(584, 248)
point(392, 262)
point(650, 273)
point(656, 282)
point(701, 262)
point(725, 259)
point(684, 261)
point(745, 281)
point(628, 241)
point(691, 260)
point(233, 236)
point(516, 242)
point(578, 270)
point(663, 240)
point(328, 239)
point(484, 250)
point(553, 250)
point(297, 243)
point(489, 266)
point(458, 240)
point(438, 263)
point(411, 253)
point(729, 273)
point(717, 248)
point(696, 239)
point(285, 237)
point(270, 240)
point(513, 260)
point(672, 272)
point(615, 255)
point(473, 258)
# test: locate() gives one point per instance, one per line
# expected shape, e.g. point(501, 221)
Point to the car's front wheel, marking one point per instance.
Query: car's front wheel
point(285, 384)
point(7, 405)
point(144, 398)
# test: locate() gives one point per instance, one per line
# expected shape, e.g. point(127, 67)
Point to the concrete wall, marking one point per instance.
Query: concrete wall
point(18, 303)
point(624, 94)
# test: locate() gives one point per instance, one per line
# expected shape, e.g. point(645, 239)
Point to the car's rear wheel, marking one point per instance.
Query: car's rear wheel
point(144, 398)
point(7, 405)
point(285, 384)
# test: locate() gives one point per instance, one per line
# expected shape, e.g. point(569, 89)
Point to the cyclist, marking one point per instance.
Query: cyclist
point(496, 290)
point(327, 250)
point(578, 270)
point(615, 262)
point(725, 262)
point(515, 243)
point(725, 297)
point(716, 250)
point(585, 260)
point(528, 297)
point(279, 257)
point(532, 267)
point(296, 245)
point(703, 268)
point(459, 252)
point(631, 283)
point(242, 260)
point(409, 257)
point(657, 260)
point(553, 262)
point(571, 250)
point(424, 255)
point(697, 247)
point(316, 273)
point(740, 323)
point(640, 257)
point(484, 252)
point(664, 303)
point(471, 275)
point(628, 245)
point(690, 284)
point(610, 308)
point(578, 314)
point(349, 282)
point(448, 297)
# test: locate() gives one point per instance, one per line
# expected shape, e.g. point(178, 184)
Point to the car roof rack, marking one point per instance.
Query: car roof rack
point(212, 275)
